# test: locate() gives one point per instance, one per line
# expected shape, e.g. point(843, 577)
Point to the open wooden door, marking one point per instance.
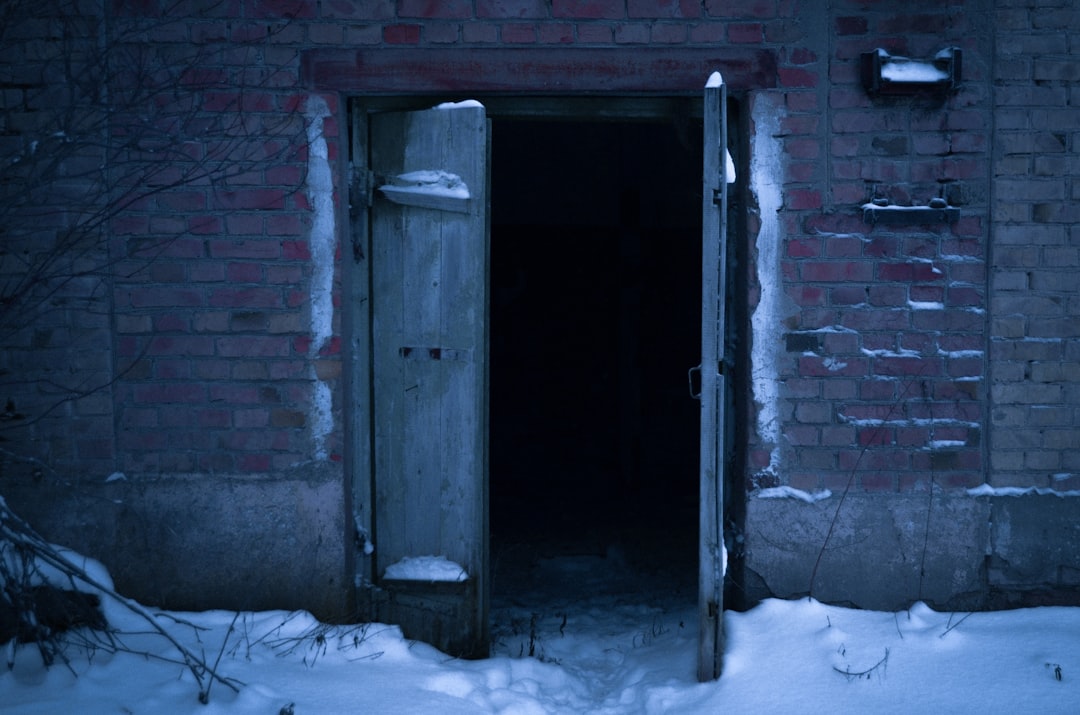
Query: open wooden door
point(712, 559)
point(429, 324)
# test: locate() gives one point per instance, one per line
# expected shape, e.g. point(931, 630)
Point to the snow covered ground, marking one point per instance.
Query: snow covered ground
point(619, 648)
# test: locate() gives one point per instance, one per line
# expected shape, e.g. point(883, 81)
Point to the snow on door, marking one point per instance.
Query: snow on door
point(718, 172)
point(429, 251)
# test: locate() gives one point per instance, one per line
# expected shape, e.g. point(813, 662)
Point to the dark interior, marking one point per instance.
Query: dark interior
point(595, 321)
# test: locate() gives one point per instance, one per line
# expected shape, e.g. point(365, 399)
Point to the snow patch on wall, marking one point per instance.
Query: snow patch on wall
point(786, 492)
point(985, 490)
point(765, 172)
point(320, 191)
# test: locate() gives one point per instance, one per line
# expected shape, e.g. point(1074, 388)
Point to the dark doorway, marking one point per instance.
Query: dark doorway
point(595, 320)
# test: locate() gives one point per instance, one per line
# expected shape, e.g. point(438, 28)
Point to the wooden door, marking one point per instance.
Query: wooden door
point(429, 324)
point(712, 561)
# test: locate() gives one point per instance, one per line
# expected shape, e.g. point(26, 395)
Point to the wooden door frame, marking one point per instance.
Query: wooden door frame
point(357, 280)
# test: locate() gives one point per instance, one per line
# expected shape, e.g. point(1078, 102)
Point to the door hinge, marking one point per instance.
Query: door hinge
point(361, 190)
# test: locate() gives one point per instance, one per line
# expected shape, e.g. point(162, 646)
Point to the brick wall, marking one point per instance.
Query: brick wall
point(872, 367)
point(1034, 352)
point(213, 290)
point(55, 364)
point(879, 333)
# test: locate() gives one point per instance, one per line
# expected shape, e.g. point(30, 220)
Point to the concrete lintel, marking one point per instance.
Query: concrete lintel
point(536, 70)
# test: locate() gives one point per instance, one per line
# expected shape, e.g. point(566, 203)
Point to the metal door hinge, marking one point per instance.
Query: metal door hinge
point(361, 190)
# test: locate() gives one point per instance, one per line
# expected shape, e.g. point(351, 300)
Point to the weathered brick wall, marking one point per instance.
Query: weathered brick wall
point(870, 365)
point(210, 346)
point(881, 360)
point(56, 367)
point(869, 376)
point(215, 293)
point(1034, 351)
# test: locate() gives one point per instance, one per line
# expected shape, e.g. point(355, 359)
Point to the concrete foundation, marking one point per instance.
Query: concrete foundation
point(199, 542)
point(1035, 542)
point(981, 552)
point(878, 555)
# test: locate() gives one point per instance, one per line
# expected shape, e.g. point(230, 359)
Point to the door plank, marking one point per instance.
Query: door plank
point(430, 269)
point(711, 556)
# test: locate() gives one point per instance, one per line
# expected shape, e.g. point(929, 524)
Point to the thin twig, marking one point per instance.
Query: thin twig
point(16, 531)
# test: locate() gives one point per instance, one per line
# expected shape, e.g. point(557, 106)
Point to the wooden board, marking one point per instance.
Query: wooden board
point(713, 288)
point(429, 269)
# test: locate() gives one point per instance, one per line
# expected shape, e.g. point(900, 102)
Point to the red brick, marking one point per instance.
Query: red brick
point(745, 33)
point(741, 8)
point(480, 32)
point(668, 33)
point(256, 297)
point(902, 23)
point(402, 34)
point(876, 319)
point(519, 33)
point(352, 9)
point(172, 370)
point(814, 366)
point(626, 34)
point(797, 77)
point(432, 9)
point(251, 199)
point(800, 199)
point(186, 345)
point(285, 9)
point(964, 296)
point(802, 148)
point(851, 26)
point(556, 33)
point(507, 9)
point(169, 393)
point(875, 436)
point(254, 249)
point(688, 9)
point(441, 33)
point(925, 272)
point(236, 101)
point(204, 225)
point(801, 56)
point(900, 366)
point(326, 33)
point(252, 346)
point(802, 171)
point(847, 295)
point(707, 32)
point(843, 246)
point(589, 9)
point(159, 296)
point(244, 224)
point(283, 225)
point(182, 200)
point(594, 34)
point(880, 482)
point(244, 272)
point(139, 441)
point(805, 295)
point(924, 293)
point(876, 460)
point(253, 463)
